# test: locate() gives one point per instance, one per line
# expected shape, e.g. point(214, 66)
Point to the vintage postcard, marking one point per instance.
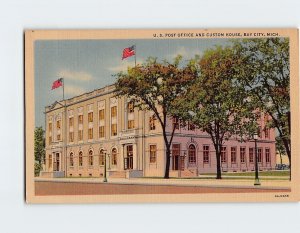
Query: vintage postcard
point(191, 115)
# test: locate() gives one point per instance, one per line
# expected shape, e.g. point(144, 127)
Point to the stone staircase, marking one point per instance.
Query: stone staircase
point(189, 173)
point(117, 174)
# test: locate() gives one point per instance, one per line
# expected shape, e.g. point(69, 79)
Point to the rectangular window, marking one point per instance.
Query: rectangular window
point(243, 154)
point(50, 139)
point(90, 133)
point(101, 131)
point(191, 126)
point(101, 114)
point(268, 157)
point(267, 133)
point(71, 160)
point(90, 116)
point(259, 155)
point(223, 154)
point(233, 154)
point(175, 123)
point(50, 161)
point(114, 111)
point(152, 153)
point(152, 120)
point(130, 107)
point(80, 119)
point(58, 124)
point(113, 129)
point(80, 135)
point(205, 154)
point(71, 121)
point(50, 126)
point(131, 124)
point(71, 136)
point(58, 137)
point(251, 155)
point(50, 132)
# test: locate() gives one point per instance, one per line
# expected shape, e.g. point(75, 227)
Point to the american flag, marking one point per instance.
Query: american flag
point(57, 83)
point(128, 52)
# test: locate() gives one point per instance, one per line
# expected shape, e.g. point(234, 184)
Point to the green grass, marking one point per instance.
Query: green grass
point(262, 173)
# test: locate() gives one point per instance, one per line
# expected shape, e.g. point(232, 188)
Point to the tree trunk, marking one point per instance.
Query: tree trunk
point(167, 170)
point(218, 157)
point(289, 156)
point(287, 149)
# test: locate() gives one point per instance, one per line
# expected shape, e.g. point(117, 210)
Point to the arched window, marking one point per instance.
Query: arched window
point(80, 159)
point(101, 157)
point(91, 159)
point(71, 159)
point(114, 156)
point(192, 154)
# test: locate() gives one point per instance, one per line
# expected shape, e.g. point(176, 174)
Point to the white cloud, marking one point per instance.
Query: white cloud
point(123, 66)
point(72, 90)
point(75, 75)
point(185, 53)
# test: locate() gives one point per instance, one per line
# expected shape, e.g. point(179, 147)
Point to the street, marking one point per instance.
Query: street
point(45, 188)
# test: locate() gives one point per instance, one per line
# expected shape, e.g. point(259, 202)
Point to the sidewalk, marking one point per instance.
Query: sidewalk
point(265, 184)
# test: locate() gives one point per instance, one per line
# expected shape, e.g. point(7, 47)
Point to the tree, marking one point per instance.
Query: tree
point(217, 104)
point(266, 73)
point(39, 145)
point(155, 87)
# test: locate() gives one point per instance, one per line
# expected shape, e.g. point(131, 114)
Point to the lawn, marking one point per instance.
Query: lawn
point(261, 173)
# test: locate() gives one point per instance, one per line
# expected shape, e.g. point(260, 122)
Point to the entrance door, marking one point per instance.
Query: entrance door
point(130, 157)
point(175, 156)
point(56, 162)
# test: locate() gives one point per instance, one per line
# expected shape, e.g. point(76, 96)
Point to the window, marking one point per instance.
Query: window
point(71, 121)
point(130, 107)
point(267, 133)
point(205, 154)
point(101, 114)
point(243, 154)
point(191, 126)
point(50, 132)
point(50, 126)
point(50, 139)
point(80, 119)
point(251, 155)
point(50, 161)
point(175, 156)
point(71, 159)
point(80, 159)
point(101, 158)
point(175, 123)
point(268, 158)
point(233, 154)
point(91, 158)
point(80, 135)
point(259, 132)
point(90, 117)
point(58, 124)
point(152, 153)
point(90, 133)
point(71, 136)
point(130, 124)
point(259, 155)
point(192, 154)
point(114, 156)
point(58, 137)
point(101, 131)
point(223, 154)
point(114, 111)
point(152, 121)
point(113, 129)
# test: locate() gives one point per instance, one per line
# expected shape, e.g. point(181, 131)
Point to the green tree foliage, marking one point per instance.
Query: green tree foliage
point(39, 148)
point(265, 71)
point(156, 86)
point(216, 103)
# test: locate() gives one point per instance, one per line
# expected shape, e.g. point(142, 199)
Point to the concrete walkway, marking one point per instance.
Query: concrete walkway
point(269, 184)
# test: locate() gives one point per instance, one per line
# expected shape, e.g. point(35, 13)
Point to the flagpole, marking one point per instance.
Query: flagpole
point(135, 55)
point(65, 129)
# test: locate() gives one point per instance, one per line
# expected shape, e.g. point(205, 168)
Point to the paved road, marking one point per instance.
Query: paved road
point(45, 188)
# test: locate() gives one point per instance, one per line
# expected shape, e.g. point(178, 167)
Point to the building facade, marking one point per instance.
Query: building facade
point(84, 132)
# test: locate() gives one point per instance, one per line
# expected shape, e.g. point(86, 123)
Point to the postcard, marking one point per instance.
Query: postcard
point(162, 115)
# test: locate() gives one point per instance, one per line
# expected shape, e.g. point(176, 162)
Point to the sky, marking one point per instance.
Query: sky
point(87, 65)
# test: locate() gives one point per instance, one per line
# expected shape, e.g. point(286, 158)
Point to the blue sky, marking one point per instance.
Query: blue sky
point(87, 65)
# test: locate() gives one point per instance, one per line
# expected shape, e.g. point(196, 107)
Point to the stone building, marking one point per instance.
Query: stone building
point(83, 131)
